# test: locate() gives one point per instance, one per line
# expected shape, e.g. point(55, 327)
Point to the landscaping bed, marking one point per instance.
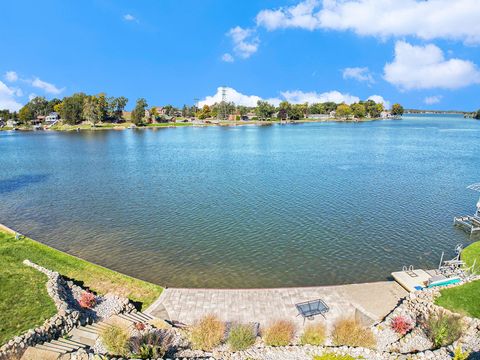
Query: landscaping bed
point(24, 302)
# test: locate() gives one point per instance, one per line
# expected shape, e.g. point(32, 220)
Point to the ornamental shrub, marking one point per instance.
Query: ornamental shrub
point(349, 332)
point(443, 329)
point(401, 324)
point(116, 340)
point(241, 337)
point(314, 335)
point(279, 333)
point(151, 345)
point(87, 300)
point(458, 354)
point(207, 333)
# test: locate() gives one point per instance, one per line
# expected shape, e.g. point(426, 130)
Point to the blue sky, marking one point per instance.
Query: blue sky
point(423, 54)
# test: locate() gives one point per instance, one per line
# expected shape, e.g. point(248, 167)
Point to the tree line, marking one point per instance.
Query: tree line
point(285, 110)
point(100, 108)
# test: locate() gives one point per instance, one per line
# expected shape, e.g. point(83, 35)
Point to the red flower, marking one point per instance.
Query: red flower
point(87, 300)
point(401, 324)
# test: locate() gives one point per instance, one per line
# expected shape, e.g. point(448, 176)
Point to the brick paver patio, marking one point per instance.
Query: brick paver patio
point(371, 301)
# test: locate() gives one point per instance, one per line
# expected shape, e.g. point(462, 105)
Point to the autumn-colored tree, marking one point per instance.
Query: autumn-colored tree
point(343, 111)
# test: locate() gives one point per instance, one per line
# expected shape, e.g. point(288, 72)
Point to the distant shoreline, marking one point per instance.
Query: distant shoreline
point(205, 123)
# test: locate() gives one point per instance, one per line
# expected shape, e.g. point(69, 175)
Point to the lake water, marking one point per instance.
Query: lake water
point(247, 206)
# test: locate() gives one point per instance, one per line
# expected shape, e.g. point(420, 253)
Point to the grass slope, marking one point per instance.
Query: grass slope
point(24, 302)
point(471, 254)
point(464, 299)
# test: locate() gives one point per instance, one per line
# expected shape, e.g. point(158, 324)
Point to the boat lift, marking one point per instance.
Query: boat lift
point(470, 223)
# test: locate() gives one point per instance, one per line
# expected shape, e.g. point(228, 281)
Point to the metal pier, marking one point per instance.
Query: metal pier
point(470, 223)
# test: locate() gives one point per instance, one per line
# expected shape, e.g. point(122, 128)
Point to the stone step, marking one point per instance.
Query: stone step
point(34, 353)
point(72, 342)
point(68, 346)
point(146, 317)
point(96, 328)
point(83, 336)
point(134, 317)
point(48, 347)
point(57, 346)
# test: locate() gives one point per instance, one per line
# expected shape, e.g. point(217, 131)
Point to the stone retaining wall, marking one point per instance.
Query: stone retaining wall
point(69, 314)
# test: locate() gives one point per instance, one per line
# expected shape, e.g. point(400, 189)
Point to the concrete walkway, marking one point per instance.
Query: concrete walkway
point(370, 301)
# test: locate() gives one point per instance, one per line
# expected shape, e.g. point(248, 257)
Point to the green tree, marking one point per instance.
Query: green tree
point(296, 112)
point(264, 110)
point(25, 114)
point(373, 109)
point(72, 108)
point(39, 106)
point(117, 106)
point(242, 110)
point(397, 110)
point(329, 106)
point(92, 110)
point(101, 107)
point(358, 110)
point(343, 111)
point(51, 105)
point(317, 108)
point(477, 115)
point(138, 113)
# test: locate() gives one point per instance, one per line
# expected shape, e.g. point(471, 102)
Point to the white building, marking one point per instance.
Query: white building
point(52, 118)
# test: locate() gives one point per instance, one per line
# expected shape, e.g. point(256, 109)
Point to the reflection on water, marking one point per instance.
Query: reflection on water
point(246, 206)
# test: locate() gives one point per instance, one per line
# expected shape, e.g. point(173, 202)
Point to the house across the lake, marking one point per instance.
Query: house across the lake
point(52, 118)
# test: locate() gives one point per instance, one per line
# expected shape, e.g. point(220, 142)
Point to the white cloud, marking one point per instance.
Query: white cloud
point(232, 96)
point(425, 67)
point(227, 57)
point(45, 86)
point(430, 100)
point(302, 15)
point(7, 98)
point(300, 97)
point(245, 42)
point(129, 17)
point(432, 19)
point(380, 100)
point(11, 76)
point(294, 97)
point(32, 96)
point(358, 73)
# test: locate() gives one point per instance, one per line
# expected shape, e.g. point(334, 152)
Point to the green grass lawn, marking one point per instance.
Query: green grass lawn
point(24, 302)
point(471, 254)
point(464, 299)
